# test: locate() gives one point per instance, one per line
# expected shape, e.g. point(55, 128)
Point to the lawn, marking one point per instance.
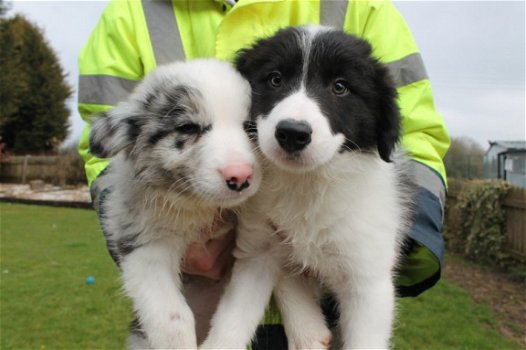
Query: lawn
point(47, 254)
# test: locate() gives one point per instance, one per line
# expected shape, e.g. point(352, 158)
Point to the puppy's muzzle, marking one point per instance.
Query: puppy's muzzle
point(237, 176)
point(292, 135)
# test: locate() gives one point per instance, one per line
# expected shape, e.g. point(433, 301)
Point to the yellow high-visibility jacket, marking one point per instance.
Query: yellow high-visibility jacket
point(133, 37)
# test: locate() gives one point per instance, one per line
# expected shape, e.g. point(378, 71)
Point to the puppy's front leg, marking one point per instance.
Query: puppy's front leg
point(303, 318)
point(243, 304)
point(367, 310)
point(151, 279)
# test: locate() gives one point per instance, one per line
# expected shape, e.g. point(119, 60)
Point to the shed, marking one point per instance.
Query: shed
point(506, 160)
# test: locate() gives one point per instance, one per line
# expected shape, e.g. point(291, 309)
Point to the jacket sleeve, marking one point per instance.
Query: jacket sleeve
point(425, 137)
point(110, 64)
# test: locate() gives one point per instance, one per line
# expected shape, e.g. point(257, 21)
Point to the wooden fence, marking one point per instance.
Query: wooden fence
point(515, 207)
point(57, 169)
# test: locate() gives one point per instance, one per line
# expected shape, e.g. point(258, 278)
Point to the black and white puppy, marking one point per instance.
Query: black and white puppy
point(326, 122)
point(181, 156)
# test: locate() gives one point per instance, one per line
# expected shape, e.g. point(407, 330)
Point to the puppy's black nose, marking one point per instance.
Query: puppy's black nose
point(293, 135)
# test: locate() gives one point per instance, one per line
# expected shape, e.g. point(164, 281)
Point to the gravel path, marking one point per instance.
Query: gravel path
point(45, 193)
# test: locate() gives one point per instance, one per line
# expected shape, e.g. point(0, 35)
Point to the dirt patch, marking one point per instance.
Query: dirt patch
point(506, 298)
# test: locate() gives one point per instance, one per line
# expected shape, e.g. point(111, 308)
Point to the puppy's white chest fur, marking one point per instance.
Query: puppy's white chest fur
point(317, 215)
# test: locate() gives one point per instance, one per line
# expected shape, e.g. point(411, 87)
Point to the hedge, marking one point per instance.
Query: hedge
point(475, 222)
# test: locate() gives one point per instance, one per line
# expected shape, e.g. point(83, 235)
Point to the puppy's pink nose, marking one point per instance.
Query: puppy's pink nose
point(237, 176)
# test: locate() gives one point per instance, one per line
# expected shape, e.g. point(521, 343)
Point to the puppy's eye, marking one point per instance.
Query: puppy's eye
point(189, 128)
point(340, 87)
point(274, 79)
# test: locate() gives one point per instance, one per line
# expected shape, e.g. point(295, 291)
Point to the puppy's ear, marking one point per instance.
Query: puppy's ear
point(242, 61)
point(113, 131)
point(389, 120)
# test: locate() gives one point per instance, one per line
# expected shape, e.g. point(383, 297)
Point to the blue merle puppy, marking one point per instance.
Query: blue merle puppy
point(180, 156)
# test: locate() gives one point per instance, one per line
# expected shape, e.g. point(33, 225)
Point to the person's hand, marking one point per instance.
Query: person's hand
point(211, 256)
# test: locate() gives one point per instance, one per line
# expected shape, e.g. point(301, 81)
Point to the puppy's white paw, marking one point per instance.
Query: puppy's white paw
point(319, 338)
point(177, 333)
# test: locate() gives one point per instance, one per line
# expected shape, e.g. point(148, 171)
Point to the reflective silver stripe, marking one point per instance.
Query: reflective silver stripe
point(104, 89)
point(163, 30)
point(332, 13)
point(430, 180)
point(407, 70)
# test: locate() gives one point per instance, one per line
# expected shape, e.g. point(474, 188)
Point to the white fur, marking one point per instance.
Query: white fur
point(168, 216)
point(343, 223)
point(339, 215)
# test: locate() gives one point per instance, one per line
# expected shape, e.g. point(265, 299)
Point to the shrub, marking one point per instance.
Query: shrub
point(475, 222)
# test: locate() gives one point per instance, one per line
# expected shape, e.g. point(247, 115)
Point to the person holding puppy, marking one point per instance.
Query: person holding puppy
point(132, 38)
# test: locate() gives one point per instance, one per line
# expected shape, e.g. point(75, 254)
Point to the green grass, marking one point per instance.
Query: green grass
point(47, 253)
point(446, 317)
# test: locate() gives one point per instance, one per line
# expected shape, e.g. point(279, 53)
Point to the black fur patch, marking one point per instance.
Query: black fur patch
point(158, 136)
point(96, 148)
point(282, 54)
point(168, 109)
point(128, 244)
point(136, 328)
point(134, 126)
point(251, 129)
point(173, 102)
point(367, 115)
point(151, 99)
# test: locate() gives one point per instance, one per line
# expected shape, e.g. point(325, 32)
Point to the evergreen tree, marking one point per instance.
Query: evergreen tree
point(33, 91)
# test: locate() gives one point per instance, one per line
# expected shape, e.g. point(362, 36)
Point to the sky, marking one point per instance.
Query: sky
point(474, 53)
